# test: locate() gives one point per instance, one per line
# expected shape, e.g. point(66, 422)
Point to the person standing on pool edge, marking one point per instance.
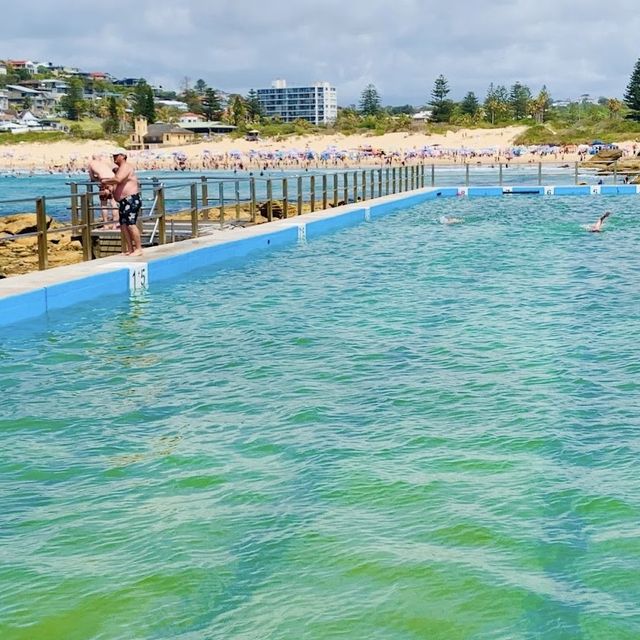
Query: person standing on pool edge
point(126, 193)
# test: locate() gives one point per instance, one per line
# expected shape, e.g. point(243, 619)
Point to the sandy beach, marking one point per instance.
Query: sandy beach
point(470, 145)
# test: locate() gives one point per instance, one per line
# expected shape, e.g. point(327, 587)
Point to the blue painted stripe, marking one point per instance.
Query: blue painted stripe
point(447, 191)
point(484, 191)
point(523, 190)
point(580, 190)
point(615, 190)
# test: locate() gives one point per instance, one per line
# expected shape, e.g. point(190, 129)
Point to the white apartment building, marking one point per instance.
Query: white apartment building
point(317, 103)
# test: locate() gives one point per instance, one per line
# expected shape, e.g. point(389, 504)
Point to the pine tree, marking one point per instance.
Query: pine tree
point(72, 103)
point(442, 106)
point(254, 108)
point(139, 99)
point(193, 100)
point(370, 101)
point(470, 104)
point(212, 105)
point(150, 105)
point(200, 87)
point(519, 100)
point(112, 122)
point(632, 94)
point(237, 110)
point(143, 102)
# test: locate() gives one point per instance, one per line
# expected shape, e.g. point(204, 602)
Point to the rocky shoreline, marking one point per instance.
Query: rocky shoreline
point(612, 160)
point(19, 249)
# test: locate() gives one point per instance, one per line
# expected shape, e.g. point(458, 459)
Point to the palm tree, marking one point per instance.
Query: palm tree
point(615, 106)
point(540, 105)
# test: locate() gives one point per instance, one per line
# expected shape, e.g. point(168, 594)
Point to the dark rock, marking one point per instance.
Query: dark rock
point(277, 210)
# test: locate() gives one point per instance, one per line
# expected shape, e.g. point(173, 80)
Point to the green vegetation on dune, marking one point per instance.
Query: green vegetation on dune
point(581, 132)
point(32, 136)
point(88, 125)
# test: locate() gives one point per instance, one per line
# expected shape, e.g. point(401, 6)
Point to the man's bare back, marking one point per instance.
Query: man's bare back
point(100, 169)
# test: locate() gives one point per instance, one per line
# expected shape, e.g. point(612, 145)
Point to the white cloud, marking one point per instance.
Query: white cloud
point(401, 47)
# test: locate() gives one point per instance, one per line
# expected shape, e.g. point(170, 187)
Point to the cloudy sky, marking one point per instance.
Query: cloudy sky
point(401, 46)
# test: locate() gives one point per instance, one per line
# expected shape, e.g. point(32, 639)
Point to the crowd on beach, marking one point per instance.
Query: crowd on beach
point(340, 158)
point(190, 159)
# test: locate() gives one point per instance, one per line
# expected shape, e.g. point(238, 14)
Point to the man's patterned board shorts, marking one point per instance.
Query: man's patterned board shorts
point(129, 208)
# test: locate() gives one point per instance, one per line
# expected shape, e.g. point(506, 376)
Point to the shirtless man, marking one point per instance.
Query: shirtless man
point(596, 228)
point(99, 169)
point(126, 191)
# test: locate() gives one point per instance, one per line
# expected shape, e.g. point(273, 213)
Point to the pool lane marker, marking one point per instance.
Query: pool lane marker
point(302, 230)
point(138, 274)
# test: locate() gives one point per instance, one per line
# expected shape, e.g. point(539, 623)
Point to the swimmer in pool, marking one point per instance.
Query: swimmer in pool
point(450, 220)
point(597, 227)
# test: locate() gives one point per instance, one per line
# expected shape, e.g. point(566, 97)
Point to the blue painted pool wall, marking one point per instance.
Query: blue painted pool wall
point(28, 305)
point(174, 266)
point(22, 306)
point(613, 190)
point(64, 294)
point(322, 226)
point(385, 208)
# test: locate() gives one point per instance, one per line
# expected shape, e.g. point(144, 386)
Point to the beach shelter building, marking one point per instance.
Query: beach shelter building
point(207, 127)
point(148, 136)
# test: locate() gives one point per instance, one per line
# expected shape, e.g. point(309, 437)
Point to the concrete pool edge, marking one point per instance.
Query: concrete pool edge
point(32, 295)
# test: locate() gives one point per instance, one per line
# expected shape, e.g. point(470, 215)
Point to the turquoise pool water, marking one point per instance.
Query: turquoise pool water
point(408, 430)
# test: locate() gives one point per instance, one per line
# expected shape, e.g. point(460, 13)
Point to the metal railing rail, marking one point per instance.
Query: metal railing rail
point(232, 200)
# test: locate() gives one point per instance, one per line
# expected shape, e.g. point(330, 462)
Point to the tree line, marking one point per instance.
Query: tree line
point(500, 105)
